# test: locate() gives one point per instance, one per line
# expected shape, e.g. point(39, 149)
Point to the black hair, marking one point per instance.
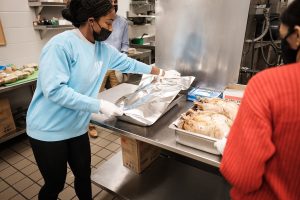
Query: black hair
point(78, 11)
point(291, 16)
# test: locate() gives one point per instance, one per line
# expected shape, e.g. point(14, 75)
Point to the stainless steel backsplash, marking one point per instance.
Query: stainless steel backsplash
point(202, 38)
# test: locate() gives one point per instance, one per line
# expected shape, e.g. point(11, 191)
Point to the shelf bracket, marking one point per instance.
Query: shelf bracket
point(43, 33)
point(39, 10)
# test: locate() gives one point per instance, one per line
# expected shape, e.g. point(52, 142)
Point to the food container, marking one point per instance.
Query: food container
point(152, 98)
point(178, 98)
point(194, 140)
point(139, 40)
point(211, 119)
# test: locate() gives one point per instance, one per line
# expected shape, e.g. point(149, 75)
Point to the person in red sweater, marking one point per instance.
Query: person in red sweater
point(261, 158)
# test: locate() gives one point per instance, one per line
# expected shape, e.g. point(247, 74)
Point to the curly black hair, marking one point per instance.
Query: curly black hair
point(78, 11)
point(291, 16)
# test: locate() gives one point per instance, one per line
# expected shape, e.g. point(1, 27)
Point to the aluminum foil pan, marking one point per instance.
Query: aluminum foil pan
point(152, 97)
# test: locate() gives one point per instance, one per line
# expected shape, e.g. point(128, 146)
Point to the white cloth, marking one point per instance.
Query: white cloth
point(220, 145)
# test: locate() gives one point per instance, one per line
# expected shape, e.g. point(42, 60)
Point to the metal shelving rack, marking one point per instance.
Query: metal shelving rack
point(19, 130)
point(10, 88)
point(141, 9)
point(15, 133)
point(43, 29)
point(40, 5)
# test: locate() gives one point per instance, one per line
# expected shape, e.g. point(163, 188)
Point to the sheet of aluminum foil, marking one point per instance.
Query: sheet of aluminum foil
point(152, 98)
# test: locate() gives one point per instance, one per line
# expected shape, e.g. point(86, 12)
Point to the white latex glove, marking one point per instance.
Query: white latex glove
point(109, 108)
point(220, 145)
point(170, 73)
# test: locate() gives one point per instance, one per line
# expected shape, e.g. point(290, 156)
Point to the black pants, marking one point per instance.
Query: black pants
point(52, 159)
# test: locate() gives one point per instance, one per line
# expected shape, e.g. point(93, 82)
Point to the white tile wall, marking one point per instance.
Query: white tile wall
point(123, 7)
point(23, 42)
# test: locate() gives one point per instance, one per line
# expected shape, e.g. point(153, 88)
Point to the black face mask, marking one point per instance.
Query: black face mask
point(289, 55)
point(116, 8)
point(102, 35)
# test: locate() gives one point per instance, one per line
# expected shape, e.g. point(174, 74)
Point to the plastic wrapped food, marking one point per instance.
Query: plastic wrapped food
point(29, 70)
point(2, 81)
point(10, 79)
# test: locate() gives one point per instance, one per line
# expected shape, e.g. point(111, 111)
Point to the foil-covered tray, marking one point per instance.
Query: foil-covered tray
point(154, 96)
point(194, 140)
point(129, 119)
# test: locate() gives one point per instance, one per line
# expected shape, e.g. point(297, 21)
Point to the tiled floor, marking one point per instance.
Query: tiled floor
point(20, 178)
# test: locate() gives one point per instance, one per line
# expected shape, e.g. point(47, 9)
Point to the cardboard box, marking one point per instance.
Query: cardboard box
point(7, 123)
point(138, 155)
point(234, 92)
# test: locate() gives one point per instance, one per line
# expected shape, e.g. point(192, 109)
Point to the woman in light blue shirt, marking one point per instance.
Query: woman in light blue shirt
point(72, 66)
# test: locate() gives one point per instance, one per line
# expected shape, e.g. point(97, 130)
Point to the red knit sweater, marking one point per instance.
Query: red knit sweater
point(262, 155)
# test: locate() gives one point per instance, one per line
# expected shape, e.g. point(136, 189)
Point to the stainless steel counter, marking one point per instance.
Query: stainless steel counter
point(158, 134)
point(164, 179)
point(144, 46)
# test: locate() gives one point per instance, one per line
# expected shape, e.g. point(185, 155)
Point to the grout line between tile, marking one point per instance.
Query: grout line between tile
point(10, 186)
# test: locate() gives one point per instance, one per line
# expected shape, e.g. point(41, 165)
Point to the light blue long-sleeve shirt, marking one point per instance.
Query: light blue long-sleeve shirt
point(119, 36)
point(71, 72)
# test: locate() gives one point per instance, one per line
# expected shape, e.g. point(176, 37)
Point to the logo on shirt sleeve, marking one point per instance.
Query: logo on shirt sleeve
point(98, 67)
